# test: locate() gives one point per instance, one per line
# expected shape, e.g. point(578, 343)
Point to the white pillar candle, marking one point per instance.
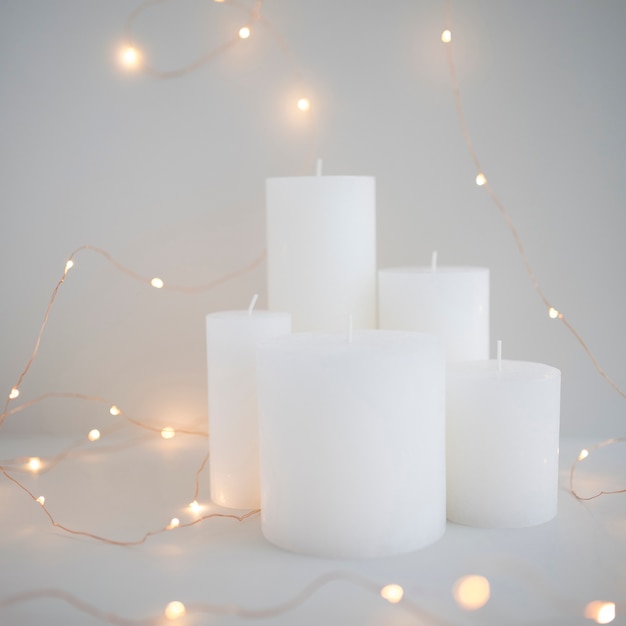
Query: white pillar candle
point(502, 443)
point(352, 442)
point(452, 302)
point(233, 424)
point(321, 250)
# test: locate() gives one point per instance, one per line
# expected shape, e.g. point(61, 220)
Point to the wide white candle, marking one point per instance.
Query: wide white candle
point(452, 302)
point(321, 250)
point(233, 425)
point(352, 442)
point(502, 443)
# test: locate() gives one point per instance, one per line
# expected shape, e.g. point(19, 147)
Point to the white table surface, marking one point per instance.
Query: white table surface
point(541, 575)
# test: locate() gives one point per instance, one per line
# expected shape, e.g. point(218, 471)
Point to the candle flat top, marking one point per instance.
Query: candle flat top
point(427, 269)
point(511, 370)
point(363, 342)
point(320, 178)
point(244, 314)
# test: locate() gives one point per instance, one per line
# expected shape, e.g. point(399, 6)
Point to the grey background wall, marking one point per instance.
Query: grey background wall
point(168, 176)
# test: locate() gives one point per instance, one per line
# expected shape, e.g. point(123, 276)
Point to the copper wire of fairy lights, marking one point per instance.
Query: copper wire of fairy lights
point(483, 181)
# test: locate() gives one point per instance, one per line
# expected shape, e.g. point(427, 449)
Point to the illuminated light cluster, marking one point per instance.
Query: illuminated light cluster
point(34, 464)
point(481, 179)
point(168, 433)
point(195, 506)
point(175, 609)
point(600, 612)
point(446, 36)
point(114, 410)
point(583, 454)
point(174, 523)
point(244, 32)
point(15, 392)
point(157, 283)
point(93, 435)
point(471, 592)
point(68, 266)
point(129, 57)
point(41, 500)
point(304, 104)
point(553, 313)
point(392, 593)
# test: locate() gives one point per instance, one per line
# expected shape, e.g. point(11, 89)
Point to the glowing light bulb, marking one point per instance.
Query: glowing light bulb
point(175, 609)
point(244, 32)
point(157, 283)
point(168, 433)
point(471, 592)
point(446, 36)
point(93, 435)
point(392, 593)
point(129, 57)
point(174, 523)
point(219, 0)
point(553, 313)
point(600, 612)
point(195, 507)
point(481, 179)
point(34, 464)
point(304, 104)
point(15, 392)
point(114, 410)
point(583, 454)
point(41, 500)
point(68, 266)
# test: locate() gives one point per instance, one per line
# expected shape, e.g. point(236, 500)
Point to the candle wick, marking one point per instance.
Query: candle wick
point(318, 167)
point(350, 328)
point(499, 353)
point(433, 261)
point(255, 297)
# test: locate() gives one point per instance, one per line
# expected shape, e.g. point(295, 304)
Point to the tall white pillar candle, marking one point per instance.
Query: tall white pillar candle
point(452, 302)
point(321, 250)
point(233, 424)
point(502, 443)
point(352, 442)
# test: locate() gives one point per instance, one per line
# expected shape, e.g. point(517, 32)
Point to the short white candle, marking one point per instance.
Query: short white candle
point(321, 250)
point(233, 425)
point(452, 302)
point(502, 443)
point(352, 442)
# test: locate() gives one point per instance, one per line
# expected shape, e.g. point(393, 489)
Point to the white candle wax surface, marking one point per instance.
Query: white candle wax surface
point(352, 442)
point(321, 250)
point(452, 302)
point(502, 443)
point(233, 424)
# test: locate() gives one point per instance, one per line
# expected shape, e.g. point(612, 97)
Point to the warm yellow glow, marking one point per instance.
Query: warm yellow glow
point(481, 179)
point(157, 283)
point(219, 0)
point(114, 410)
point(34, 464)
point(15, 392)
point(175, 609)
point(600, 612)
point(195, 507)
point(174, 523)
point(553, 313)
point(93, 435)
point(446, 36)
point(583, 454)
point(244, 32)
point(168, 433)
point(471, 592)
point(69, 265)
point(129, 57)
point(304, 104)
point(41, 500)
point(392, 593)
